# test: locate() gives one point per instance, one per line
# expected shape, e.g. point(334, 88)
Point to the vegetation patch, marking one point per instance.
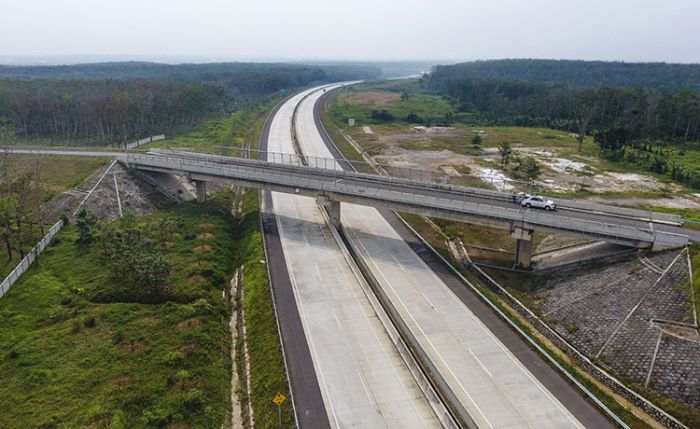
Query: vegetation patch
point(93, 352)
point(267, 368)
point(695, 266)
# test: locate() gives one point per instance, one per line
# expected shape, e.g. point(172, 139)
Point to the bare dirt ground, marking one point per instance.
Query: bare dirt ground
point(410, 147)
point(633, 317)
point(113, 190)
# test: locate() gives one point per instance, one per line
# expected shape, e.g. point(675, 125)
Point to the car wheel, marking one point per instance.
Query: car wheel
point(547, 208)
point(528, 205)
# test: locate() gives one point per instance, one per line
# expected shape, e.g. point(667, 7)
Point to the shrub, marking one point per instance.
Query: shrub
point(89, 321)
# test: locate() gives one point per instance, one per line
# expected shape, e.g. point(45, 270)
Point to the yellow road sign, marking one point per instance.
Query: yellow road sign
point(279, 399)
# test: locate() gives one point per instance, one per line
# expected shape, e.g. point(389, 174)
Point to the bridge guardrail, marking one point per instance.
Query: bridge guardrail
point(296, 176)
point(416, 177)
point(435, 180)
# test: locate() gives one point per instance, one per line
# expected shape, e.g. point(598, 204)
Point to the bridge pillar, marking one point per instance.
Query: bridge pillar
point(333, 209)
point(523, 248)
point(201, 190)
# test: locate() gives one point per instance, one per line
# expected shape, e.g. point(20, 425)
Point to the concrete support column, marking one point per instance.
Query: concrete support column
point(201, 190)
point(334, 213)
point(523, 248)
point(333, 209)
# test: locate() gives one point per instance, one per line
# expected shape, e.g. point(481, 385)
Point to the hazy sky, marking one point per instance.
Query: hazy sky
point(630, 30)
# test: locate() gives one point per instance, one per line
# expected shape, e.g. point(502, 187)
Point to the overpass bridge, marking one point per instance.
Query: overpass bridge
point(323, 179)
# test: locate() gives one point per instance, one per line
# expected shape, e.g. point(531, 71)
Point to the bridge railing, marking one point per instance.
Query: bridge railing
point(384, 189)
point(500, 187)
point(435, 179)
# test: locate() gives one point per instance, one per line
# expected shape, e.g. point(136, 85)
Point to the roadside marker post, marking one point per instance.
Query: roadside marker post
point(279, 399)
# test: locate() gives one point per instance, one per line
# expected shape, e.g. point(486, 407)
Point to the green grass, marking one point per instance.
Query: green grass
point(358, 101)
point(694, 250)
point(69, 360)
point(268, 376)
point(229, 131)
point(59, 173)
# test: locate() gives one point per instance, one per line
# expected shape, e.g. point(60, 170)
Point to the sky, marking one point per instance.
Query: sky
point(626, 30)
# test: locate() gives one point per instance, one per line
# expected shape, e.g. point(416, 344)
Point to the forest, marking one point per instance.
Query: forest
point(661, 76)
point(117, 102)
point(638, 124)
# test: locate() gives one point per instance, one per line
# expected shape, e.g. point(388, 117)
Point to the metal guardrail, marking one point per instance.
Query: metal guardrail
point(290, 175)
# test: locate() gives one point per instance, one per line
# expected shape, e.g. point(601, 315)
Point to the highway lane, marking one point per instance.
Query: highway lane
point(362, 378)
point(496, 387)
point(305, 390)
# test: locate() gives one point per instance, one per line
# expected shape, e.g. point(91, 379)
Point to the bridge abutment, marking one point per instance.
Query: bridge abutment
point(523, 248)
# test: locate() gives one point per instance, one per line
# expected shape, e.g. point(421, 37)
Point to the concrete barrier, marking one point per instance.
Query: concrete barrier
point(447, 395)
point(134, 145)
point(398, 338)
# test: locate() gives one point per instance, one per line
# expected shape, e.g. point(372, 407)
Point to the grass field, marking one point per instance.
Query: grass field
point(268, 376)
point(72, 356)
point(230, 131)
point(60, 173)
point(695, 265)
point(97, 361)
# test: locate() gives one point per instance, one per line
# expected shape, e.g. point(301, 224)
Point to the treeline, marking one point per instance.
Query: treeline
point(629, 124)
point(117, 102)
point(661, 76)
point(626, 114)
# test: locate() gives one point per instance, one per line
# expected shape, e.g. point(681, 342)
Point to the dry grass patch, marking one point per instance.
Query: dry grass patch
point(189, 323)
point(195, 279)
point(377, 99)
point(188, 349)
point(205, 235)
point(203, 248)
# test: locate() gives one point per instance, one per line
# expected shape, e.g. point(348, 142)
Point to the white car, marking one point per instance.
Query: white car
point(539, 202)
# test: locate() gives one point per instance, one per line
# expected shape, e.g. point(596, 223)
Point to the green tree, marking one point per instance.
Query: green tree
point(85, 223)
point(476, 141)
point(531, 168)
point(8, 206)
point(506, 152)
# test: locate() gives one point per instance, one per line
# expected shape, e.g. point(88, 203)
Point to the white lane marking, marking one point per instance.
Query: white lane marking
point(437, 352)
point(429, 303)
point(321, 150)
point(300, 306)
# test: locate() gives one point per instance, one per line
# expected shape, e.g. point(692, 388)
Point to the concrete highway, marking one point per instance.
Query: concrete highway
point(496, 388)
point(363, 380)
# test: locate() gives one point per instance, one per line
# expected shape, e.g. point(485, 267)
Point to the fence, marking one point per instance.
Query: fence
point(138, 143)
point(29, 259)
